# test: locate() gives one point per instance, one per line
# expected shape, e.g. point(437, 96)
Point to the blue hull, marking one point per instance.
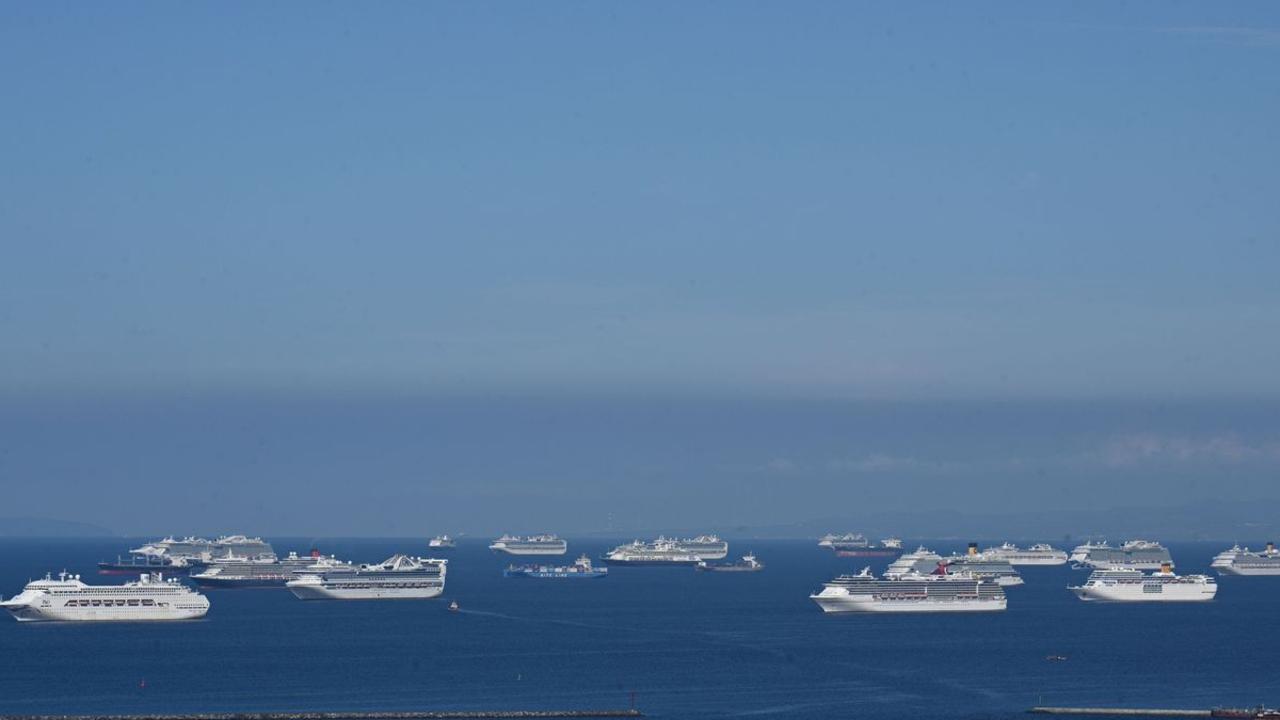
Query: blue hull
point(556, 575)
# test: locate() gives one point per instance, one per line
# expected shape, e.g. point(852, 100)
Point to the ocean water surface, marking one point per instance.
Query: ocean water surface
point(684, 644)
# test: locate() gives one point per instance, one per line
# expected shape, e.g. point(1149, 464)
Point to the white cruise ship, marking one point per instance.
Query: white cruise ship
point(397, 577)
point(149, 598)
point(200, 550)
point(442, 542)
point(1136, 554)
point(658, 552)
point(921, 560)
point(912, 592)
point(1131, 585)
point(1243, 561)
point(1038, 554)
point(707, 547)
point(984, 567)
point(531, 545)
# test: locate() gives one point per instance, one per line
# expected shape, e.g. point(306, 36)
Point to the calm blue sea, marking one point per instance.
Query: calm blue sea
point(689, 645)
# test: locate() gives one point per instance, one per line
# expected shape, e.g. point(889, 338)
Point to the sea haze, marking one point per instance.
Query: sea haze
point(688, 644)
point(329, 464)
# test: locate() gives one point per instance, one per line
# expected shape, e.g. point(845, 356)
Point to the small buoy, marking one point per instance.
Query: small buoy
point(143, 684)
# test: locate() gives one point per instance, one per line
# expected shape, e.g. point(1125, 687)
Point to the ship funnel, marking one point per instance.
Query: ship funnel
point(973, 549)
point(1166, 568)
point(1271, 547)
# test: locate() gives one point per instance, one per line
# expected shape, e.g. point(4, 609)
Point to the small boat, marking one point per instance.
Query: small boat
point(453, 606)
point(1055, 658)
point(748, 564)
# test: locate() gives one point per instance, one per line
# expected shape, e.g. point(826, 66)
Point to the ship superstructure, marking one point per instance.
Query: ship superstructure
point(442, 542)
point(707, 547)
point(264, 571)
point(658, 552)
point(982, 566)
point(920, 560)
point(912, 592)
point(397, 577)
point(1243, 561)
point(1136, 554)
point(197, 550)
point(531, 545)
point(66, 598)
point(1038, 554)
point(1131, 585)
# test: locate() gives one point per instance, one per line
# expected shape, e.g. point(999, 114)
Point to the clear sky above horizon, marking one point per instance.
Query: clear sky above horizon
point(409, 267)
point(833, 198)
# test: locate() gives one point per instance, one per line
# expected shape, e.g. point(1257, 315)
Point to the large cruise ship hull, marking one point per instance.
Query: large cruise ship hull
point(30, 613)
point(864, 603)
point(554, 550)
point(317, 592)
point(1233, 570)
point(1170, 593)
point(654, 562)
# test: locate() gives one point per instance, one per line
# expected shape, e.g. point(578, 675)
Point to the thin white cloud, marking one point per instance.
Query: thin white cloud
point(1148, 448)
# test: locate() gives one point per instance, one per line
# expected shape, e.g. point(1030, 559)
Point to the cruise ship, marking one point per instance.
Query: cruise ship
point(397, 577)
point(580, 569)
point(920, 560)
point(1243, 561)
point(1038, 554)
point(1136, 554)
point(913, 592)
point(266, 571)
point(1131, 585)
point(150, 598)
point(442, 542)
point(857, 545)
point(997, 570)
point(199, 550)
point(532, 545)
point(707, 547)
point(659, 552)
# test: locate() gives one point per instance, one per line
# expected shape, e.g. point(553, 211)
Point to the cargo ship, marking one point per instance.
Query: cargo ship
point(143, 565)
point(749, 563)
point(857, 545)
point(580, 569)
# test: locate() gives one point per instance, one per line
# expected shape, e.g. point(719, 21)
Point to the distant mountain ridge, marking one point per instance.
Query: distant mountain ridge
point(50, 527)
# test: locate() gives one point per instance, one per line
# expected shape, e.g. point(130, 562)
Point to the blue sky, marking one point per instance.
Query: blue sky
point(304, 202)
point(996, 199)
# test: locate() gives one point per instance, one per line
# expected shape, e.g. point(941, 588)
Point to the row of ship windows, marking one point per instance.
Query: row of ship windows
point(368, 586)
point(145, 602)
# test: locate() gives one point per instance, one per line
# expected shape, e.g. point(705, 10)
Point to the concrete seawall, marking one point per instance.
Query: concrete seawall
point(425, 715)
point(1120, 712)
